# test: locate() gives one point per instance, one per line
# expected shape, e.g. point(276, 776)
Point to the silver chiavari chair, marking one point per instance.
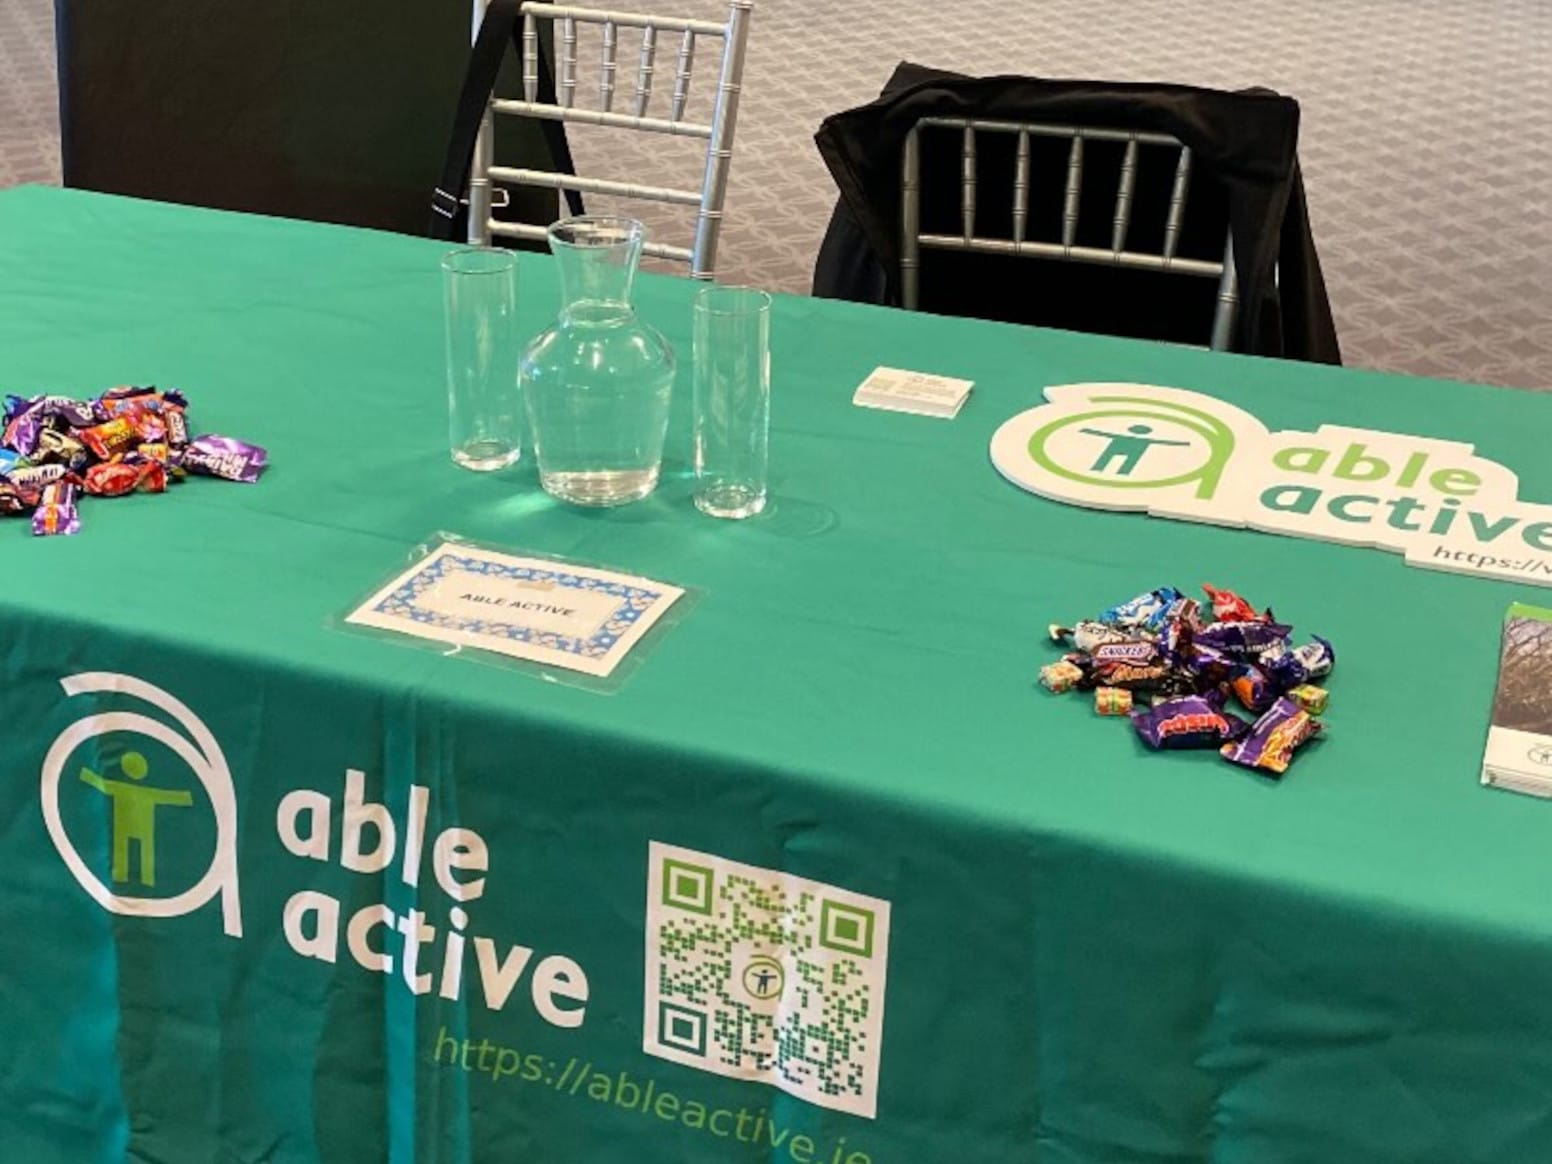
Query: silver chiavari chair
point(913, 240)
point(566, 21)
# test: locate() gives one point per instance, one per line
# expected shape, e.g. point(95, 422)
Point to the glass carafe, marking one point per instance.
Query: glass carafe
point(597, 381)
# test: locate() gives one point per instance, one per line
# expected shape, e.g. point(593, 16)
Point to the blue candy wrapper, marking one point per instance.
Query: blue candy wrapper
point(1145, 612)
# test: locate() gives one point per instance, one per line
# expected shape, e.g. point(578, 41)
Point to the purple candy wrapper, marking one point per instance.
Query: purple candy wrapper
point(16, 405)
point(219, 456)
point(1242, 638)
point(56, 512)
point(1209, 664)
point(1191, 721)
point(1253, 688)
point(1271, 742)
point(177, 427)
point(23, 423)
point(75, 413)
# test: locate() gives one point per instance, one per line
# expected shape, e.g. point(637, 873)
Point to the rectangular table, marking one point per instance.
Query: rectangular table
point(1093, 954)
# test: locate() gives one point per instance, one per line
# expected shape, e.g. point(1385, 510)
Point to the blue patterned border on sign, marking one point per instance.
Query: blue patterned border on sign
point(634, 602)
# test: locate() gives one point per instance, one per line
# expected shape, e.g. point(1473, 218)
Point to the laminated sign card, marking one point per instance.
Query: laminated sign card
point(553, 613)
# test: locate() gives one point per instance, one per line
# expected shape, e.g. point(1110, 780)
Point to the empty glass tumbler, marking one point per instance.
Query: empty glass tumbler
point(484, 411)
point(732, 400)
point(597, 382)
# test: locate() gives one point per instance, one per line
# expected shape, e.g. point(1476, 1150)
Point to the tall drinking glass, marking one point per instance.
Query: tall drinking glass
point(484, 411)
point(732, 400)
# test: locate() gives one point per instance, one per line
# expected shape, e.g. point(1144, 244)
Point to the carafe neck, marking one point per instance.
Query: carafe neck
point(596, 257)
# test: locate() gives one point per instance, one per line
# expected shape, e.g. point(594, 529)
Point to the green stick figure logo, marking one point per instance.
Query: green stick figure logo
point(1135, 442)
point(1127, 447)
point(134, 814)
point(136, 803)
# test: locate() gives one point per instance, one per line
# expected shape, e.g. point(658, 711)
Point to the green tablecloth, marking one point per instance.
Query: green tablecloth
point(1093, 955)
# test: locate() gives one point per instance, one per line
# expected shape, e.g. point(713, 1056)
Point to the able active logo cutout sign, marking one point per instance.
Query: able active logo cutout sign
point(1173, 453)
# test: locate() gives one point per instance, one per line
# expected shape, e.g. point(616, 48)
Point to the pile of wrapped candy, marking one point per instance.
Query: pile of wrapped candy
point(54, 448)
point(1159, 659)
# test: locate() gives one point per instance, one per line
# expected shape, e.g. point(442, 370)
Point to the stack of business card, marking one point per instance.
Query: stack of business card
point(917, 392)
point(1519, 742)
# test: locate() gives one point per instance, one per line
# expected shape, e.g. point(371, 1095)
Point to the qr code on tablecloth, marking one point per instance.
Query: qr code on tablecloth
point(756, 974)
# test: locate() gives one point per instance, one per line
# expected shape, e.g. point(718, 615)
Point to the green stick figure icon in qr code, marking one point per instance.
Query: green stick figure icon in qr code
point(134, 806)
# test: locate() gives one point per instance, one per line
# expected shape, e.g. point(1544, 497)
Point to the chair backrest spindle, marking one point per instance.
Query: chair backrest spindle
point(1177, 203)
point(910, 217)
point(644, 72)
point(967, 183)
point(1124, 192)
point(568, 61)
point(606, 66)
point(1074, 191)
point(682, 74)
point(530, 58)
point(1228, 298)
point(1021, 187)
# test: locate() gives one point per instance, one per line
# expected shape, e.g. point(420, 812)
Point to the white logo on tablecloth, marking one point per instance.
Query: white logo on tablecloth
point(135, 804)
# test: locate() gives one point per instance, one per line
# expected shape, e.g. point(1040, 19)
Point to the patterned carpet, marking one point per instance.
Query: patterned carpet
point(29, 110)
point(1427, 138)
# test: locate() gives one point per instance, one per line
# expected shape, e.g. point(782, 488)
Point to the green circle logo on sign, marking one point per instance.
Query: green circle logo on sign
point(1138, 444)
point(1126, 446)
